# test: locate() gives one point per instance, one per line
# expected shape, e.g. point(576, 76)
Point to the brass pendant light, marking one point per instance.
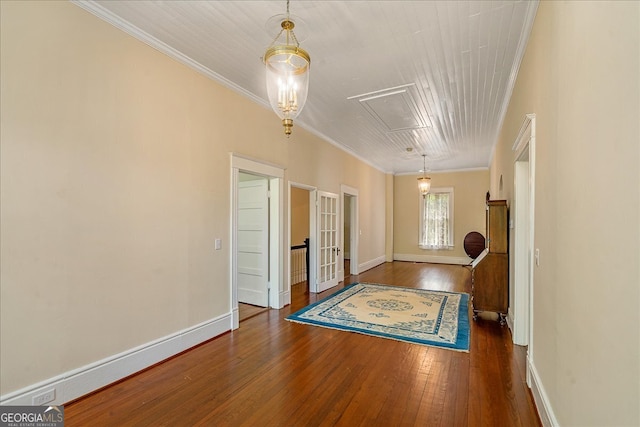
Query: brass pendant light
point(287, 71)
point(424, 182)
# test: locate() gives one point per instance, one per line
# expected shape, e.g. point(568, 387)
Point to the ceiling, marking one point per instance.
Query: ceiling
point(390, 80)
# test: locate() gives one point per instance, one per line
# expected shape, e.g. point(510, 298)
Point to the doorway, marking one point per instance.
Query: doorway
point(350, 231)
point(346, 233)
point(523, 245)
point(299, 238)
point(256, 235)
point(298, 208)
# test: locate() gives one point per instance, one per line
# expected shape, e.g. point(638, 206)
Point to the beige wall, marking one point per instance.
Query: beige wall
point(299, 215)
point(114, 184)
point(326, 167)
point(580, 76)
point(469, 197)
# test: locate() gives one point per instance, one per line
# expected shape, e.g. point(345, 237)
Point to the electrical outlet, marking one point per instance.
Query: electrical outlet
point(44, 397)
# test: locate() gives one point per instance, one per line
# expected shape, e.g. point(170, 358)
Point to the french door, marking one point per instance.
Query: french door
point(327, 240)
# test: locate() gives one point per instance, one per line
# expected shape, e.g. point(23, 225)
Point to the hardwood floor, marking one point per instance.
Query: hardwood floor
point(271, 372)
point(246, 311)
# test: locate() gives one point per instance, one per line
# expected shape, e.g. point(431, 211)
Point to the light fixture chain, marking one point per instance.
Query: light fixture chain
point(289, 32)
point(276, 38)
point(294, 38)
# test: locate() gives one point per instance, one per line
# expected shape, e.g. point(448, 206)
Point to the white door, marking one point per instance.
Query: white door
point(253, 240)
point(327, 242)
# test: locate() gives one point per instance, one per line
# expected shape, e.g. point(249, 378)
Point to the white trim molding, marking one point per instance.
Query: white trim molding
point(79, 382)
point(547, 417)
point(251, 165)
point(124, 25)
point(510, 321)
point(434, 259)
point(285, 297)
point(115, 20)
point(370, 264)
point(523, 213)
point(278, 265)
point(524, 298)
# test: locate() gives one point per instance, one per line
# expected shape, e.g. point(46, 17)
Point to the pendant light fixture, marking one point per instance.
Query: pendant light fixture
point(424, 182)
point(287, 66)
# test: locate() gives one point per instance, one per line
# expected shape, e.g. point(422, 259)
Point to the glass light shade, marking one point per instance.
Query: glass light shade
point(424, 185)
point(287, 74)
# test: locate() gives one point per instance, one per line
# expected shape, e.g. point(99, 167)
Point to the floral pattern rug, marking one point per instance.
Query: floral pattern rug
point(418, 316)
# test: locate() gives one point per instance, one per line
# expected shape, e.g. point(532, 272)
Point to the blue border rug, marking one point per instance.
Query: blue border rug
point(419, 316)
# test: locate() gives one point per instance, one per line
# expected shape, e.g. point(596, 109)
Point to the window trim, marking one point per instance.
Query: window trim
point(421, 230)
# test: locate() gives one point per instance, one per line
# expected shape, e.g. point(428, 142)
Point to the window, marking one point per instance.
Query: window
point(436, 219)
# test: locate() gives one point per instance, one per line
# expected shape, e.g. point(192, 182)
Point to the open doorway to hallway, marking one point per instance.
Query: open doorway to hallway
point(346, 232)
point(350, 232)
point(300, 239)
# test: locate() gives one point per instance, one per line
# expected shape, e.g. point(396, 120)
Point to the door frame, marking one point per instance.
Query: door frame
point(275, 174)
point(352, 193)
point(524, 252)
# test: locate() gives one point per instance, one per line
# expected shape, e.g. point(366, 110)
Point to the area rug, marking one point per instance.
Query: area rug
point(418, 316)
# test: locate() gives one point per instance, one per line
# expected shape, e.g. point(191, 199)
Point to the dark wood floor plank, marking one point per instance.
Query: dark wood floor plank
point(271, 372)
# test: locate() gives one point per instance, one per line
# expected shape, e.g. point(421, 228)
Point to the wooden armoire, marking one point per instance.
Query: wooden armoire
point(490, 274)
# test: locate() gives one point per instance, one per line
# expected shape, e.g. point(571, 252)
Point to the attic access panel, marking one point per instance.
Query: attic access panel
point(394, 109)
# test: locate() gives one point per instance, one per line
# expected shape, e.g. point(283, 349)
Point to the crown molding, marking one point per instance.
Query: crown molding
point(124, 25)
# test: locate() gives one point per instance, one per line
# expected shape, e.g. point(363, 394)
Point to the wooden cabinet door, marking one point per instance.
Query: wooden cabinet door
point(497, 226)
point(490, 284)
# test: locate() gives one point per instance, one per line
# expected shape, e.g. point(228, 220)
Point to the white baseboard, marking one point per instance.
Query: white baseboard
point(435, 259)
point(510, 321)
point(547, 417)
point(78, 382)
point(285, 298)
point(370, 264)
point(235, 318)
